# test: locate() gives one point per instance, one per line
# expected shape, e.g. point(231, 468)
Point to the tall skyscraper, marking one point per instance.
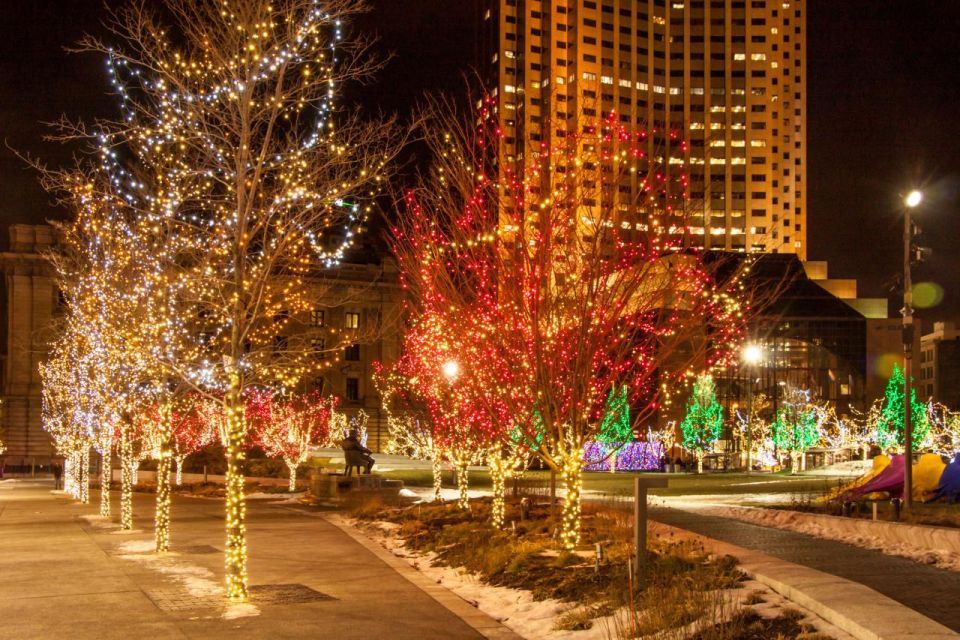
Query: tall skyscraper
point(720, 85)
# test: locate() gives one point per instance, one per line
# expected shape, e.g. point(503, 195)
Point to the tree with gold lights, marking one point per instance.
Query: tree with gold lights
point(568, 285)
point(231, 142)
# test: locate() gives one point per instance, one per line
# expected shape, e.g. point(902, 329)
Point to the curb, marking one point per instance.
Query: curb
point(850, 606)
point(472, 616)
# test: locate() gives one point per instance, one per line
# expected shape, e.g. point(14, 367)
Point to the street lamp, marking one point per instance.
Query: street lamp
point(451, 369)
point(911, 201)
point(752, 356)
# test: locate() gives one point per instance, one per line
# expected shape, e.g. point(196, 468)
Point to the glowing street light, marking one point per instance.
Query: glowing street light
point(752, 354)
point(451, 369)
point(913, 198)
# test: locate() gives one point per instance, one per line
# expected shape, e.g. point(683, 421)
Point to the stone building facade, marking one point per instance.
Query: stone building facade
point(28, 304)
point(361, 295)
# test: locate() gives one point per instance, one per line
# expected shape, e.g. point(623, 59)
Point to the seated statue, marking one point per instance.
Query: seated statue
point(355, 453)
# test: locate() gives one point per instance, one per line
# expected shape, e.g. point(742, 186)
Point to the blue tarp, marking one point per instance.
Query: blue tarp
point(949, 486)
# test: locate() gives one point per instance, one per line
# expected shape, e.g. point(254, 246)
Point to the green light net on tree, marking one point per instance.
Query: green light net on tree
point(703, 421)
point(615, 425)
point(797, 424)
point(889, 427)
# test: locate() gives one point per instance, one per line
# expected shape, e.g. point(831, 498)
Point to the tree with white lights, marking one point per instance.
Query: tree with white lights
point(229, 109)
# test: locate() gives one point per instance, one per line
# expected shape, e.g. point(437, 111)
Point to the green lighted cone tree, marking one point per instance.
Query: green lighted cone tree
point(703, 420)
point(889, 422)
point(615, 428)
point(797, 426)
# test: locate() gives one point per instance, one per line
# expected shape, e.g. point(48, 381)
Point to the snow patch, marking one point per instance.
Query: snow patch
point(198, 581)
point(240, 610)
point(937, 546)
point(98, 522)
point(533, 619)
point(137, 546)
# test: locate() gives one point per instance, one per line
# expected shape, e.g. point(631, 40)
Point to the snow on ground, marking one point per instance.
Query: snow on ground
point(98, 521)
point(425, 494)
point(927, 545)
point(535, 620)
point(197, 581)
point(281, 497)
point(514, 608)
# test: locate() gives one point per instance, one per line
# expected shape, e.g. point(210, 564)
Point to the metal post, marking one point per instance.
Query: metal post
point(639, 530)
point(749, 418)
point(907, 363)
point(640, 486)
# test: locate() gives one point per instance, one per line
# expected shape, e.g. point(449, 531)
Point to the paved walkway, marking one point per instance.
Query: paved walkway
point(928, 590)
point(61, 576)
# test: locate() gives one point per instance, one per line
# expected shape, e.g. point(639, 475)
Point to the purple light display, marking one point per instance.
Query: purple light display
point(633, 456)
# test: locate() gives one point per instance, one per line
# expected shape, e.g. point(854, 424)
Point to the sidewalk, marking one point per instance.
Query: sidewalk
point(927, 590)
point(67, 577)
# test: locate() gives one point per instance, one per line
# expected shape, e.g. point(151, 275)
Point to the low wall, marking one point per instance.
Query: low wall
point(898, 538)
point(188, 478)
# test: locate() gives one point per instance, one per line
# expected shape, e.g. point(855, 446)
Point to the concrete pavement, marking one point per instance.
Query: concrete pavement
point(846, 577)
point(62, 576)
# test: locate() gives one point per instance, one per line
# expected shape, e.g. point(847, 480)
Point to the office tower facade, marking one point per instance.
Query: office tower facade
point(719, 86)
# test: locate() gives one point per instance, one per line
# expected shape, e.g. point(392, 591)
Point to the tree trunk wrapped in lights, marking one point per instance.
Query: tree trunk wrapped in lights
point(161, 520)
point(560, 272)
point(235, 505)
point(106, 479)
point(125, 449)
point(84, 475)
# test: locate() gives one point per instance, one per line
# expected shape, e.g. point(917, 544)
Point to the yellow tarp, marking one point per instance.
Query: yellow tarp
point(926, 476)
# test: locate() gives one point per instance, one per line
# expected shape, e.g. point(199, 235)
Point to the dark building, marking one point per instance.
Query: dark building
point(939, 374)
point(361, 295)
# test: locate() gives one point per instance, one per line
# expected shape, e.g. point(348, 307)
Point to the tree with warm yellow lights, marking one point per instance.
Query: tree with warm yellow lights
point(231, 140)
point(563, 274)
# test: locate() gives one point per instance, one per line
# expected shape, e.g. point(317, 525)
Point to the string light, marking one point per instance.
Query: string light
point(549, 295)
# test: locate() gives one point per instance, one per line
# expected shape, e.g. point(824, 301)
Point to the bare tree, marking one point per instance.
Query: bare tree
point(230, 112)
point(562, 274)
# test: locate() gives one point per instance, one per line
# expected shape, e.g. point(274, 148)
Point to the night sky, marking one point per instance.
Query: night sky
point(883, 105)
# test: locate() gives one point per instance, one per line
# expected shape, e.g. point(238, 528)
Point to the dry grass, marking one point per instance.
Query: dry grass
point(526, 555)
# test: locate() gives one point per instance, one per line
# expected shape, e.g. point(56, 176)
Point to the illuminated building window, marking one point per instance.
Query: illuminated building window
point(317, 317)
point(351, 320)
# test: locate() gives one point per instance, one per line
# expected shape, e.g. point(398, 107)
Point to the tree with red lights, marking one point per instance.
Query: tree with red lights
point(190, 434)
point(286, 427)
point(559, 276)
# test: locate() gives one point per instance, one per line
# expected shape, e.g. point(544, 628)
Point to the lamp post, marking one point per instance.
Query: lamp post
point(752, 355)
point(913, 199)
point(451, 369)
